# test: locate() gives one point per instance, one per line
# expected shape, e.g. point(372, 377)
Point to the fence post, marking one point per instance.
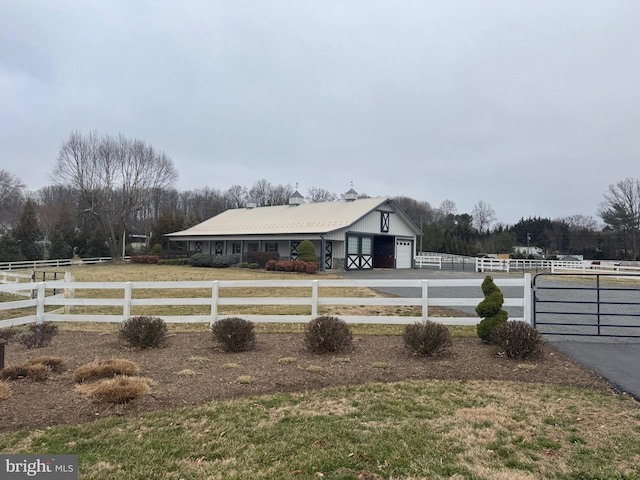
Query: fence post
point(314, 298)
point(215, 289)
point(40, 303)
point(527, 297)
point(425, 300)
point(126, 308)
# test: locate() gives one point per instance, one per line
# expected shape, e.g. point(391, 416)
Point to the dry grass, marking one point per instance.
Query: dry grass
point(116, 390)
point(245, 379)
point(90, 372)
point(287, 360)
point(13, 372)
point(56, 364)
point(38, 372)
point(5, 390)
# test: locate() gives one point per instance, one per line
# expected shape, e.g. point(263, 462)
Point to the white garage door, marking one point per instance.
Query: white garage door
point(404, 254)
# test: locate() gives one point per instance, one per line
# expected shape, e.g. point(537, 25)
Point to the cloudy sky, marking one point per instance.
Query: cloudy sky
point(530, 106)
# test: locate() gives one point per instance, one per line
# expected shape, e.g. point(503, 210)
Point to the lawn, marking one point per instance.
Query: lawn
point(401, 418)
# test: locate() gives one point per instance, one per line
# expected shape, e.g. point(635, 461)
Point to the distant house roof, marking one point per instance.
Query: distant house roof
point(307, 218)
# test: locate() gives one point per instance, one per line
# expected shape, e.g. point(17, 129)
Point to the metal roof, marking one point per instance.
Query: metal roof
point(322, 217)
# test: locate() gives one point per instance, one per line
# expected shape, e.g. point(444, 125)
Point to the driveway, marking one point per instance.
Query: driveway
point(617, 360)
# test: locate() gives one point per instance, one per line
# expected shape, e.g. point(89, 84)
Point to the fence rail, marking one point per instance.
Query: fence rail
point(52, 263)
point(213, 299)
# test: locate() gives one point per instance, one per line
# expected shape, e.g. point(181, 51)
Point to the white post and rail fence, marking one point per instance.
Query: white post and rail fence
point(210, 297)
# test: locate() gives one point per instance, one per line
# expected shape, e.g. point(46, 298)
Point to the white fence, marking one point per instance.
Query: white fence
point(554, 266)
point(52, 263)
point(213, 300)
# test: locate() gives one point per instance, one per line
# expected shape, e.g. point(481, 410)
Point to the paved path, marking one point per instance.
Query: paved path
point(617, 360)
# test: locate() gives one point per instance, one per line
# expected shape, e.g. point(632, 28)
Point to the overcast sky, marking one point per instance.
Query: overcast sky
point(530, 106)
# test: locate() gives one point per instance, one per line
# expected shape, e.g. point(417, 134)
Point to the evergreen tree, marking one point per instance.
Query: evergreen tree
point(10, 249)
point(28, 233)
point(62, 236)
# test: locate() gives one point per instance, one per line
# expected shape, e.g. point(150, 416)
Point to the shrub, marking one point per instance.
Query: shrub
point(156, 249)
point(91, 372)
point(211, 261)
point(243, 265)
point(144, 332)
point(5, 391)
point(518, 339)
point(8, 333)
point(270, 265)
point(39, 335)
point(117, 390)
point(173, 261)
point(426, 338)
point(201, 260)
point(307, 252)
point(261, 258)
point(144, 259)
point(311, 268)
point(224, 261)
point(490, 309)
point(254, 266)
point(234, 334)
point(327, 334)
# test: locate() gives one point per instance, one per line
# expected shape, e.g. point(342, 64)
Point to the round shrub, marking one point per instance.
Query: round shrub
point(426, 338)
point(327, 334)
point(144, 332)
point(518, 339)
point(490, 309)
point(117, 390)
point(201, 260)
point(234, 334)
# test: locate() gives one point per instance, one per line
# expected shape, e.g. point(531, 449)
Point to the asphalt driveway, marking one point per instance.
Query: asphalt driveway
point(617, 360)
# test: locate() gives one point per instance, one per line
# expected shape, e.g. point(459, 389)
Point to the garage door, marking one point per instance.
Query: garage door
point(404, 253)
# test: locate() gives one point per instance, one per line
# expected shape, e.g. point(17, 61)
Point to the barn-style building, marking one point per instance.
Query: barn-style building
point(354, 233)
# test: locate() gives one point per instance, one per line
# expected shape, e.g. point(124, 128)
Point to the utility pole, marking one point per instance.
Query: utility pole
point(528, 242)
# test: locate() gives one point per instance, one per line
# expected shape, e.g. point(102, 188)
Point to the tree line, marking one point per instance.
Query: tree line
point(105, 189)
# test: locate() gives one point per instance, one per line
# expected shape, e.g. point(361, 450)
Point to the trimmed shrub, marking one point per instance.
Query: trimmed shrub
point(156, 249)
point(144, 332)
point(201, 260)
point(307, 252)
point(153, 259)
point(254, 266)
point(427, 338)
point(90, 372)
point(291, 266)
point(224, 261)
point(173, 261)
point(270, 265)
point(234, 334)
point(117, 390)
point(490, 309)
point(327, 334)
point(261, 258)
point(518, 339)
point(39, 335)
point(243, 265)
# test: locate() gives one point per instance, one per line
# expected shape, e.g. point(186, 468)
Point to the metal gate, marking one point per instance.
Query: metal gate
point(601, 305)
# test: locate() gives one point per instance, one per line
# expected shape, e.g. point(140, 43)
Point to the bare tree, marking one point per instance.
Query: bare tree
point(483, 216)
point(317, 195)
point(621, 211)
point(11, 199)
point(236, 196)
point(114, 178)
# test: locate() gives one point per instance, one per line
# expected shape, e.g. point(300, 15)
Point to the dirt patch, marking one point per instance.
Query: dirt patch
point(189, 371)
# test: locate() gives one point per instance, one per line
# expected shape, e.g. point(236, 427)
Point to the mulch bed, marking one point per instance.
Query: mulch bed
point(190, 371)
